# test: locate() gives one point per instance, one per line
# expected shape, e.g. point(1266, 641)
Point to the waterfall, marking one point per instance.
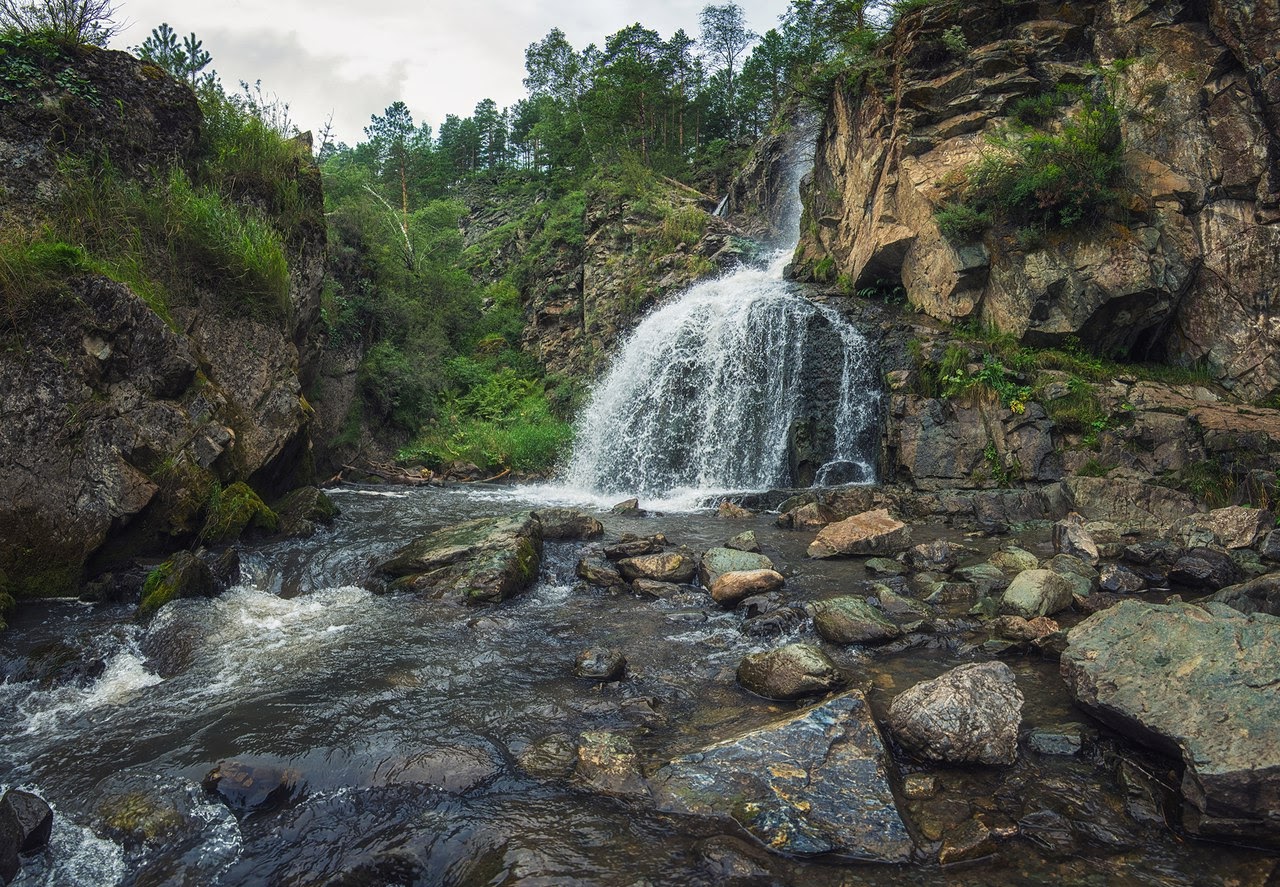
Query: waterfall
point(740, 384)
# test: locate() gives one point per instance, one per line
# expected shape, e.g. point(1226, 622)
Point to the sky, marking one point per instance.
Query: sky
point(353, 59)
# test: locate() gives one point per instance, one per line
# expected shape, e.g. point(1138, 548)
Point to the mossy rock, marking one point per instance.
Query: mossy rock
point(302, 510)
point(233, 511)
point(138, 818)
point(182, 576)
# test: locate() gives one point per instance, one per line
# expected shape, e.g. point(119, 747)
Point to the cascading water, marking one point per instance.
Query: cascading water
point(740, 384)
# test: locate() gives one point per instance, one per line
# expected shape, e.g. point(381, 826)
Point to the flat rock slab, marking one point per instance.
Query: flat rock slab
point(814, 783)
point(478, 561)
point(870, 533)
point(1203, 685)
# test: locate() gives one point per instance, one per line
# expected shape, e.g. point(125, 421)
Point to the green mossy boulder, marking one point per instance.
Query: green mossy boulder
point(233, 511)
point(182, 576)
point(302, 511)
point(476, 562)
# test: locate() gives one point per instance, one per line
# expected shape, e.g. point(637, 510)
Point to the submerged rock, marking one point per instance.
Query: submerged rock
point(969, 715)
point(567, 523)
point(733, 511)
point(744, 542)
point(870, 533)
point(599, 572)
point(851, 620)
point(1119, 579)
point(814, 783)
point(476, 562)
point(790, 672)
point(608, 763)
point(254, 788)
point(600, 664)
point(1198, 685)
point(303, 511)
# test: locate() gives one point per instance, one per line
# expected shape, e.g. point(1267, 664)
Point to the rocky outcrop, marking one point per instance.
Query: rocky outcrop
point(1196, 684)
point(118, 422)
point(1182, 265)
point(814, 783)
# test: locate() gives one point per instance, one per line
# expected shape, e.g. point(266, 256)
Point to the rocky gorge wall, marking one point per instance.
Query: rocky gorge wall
point(118, 420)
point(1182, 266)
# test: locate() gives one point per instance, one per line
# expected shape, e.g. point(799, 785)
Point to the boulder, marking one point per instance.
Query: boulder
point(1205, 568)
point(631, 545)
point(744, 542)
point(790, 672)
point(1119, 579)
point(726, 560)
point(986, 578)
point(1036, 593)
point(599, 572)
point(1235, 526)
point(810, 516)
point(970, 840)
point(665, 566)
point(182, 576)
point(304, 511)
point(1014, 560)
point(1198, 685)
point(883, 566)
point(652, 588)
point(608, 763)
point(869, 533)
point(814, 783)
point(732, 511)
point(851, 620)
point(600, 664)
point(1071, 537)
point(1261, 595)
point(1083, 578)
point(628, 508)
point(1269, 547)
point(939, 555)
point(26, 825)
point(1130, 504)
point(729, 589)
point(561, 524)
point(970, 715)
point(475, 562)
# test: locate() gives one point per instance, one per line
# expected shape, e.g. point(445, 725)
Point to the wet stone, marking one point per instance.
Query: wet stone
point(551, 757)
point(851, 620)
point(790, 672)
point(775, 622)
point(918, 786)
point(560, 524)
point(669, 566)
point(1205, 568)
point(654, 588)
point(1145, 554)
point(608, 763)
point(254, 788)
point(628, 508)
point(1060, 739)
point(600, 664)
point(599, 572)
point(732, 511)
point(883, 566)
point(744, 542)
point(26, 825)
point(630, 545)
point(938, 554)
point(1118, 579)
point(1015, 628)
point(1071, 537)
point(986, 578)
point(969, 841)
point(729, 589)
point(814, 783)
point(870, 533)
point(726, 560)
point(970, 714)
point(1014, 560)
point(1036, 593)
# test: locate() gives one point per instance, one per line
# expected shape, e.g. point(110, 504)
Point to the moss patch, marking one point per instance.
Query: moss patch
point(234, 510)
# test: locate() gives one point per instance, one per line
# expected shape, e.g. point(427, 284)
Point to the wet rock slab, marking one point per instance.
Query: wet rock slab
point(814, 783)
point(1199, 684)
point(870, 533)
point(478, 561)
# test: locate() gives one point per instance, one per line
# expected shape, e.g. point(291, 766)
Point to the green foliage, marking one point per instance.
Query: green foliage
point(1093, 468)
point(68, 22)
point(954, 40)
point(992, 377)
point(1208, 481)
point(1004, 475)
point(232, 511)
point(1031, 175)
point(32, 271)
point(32, 62)
point(1078, 411)
point(157, 590)
point(824, 271)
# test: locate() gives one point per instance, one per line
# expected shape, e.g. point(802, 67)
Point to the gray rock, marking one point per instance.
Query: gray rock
point(568, 523)
point(631, 545)
point(1036, 593)
point(851, 620)
point(26, 825)
point(1197, 685)
point(744, 542)
point(883, 566)
point(1071, 537)
point(790, 672)
point(628, 508)
point(969, 715)
point(599, 572)
point(476, 562)
point(653, 588)
point(1014, 560)
point(986, 578)
point(303, 511)
point(727, 560)
point(1118, 579)
point(1060, 739)
point(600, 664)
point(814, 783)
point(939, 555)
point(1261, 595)
point(254, 788)
point(1269, 548)
point(1206, 568)
point(1235, 526)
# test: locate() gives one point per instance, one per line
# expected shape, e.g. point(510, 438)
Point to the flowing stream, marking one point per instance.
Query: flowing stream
point(402, 721)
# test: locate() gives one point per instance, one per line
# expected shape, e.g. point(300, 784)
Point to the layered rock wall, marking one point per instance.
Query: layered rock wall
point(1184, 266)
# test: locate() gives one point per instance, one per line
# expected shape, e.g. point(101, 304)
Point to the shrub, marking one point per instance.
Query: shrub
point(961, 221)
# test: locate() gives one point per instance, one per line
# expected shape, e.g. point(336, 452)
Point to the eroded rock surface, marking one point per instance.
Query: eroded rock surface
point(478, 561)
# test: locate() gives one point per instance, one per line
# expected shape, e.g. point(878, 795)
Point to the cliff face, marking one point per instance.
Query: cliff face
point(117, 419)
point(1183, 265)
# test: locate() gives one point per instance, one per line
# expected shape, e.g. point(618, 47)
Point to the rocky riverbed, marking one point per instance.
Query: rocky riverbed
point(670, 698)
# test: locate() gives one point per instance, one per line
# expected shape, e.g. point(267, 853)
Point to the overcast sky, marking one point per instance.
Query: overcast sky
point(438, 56)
